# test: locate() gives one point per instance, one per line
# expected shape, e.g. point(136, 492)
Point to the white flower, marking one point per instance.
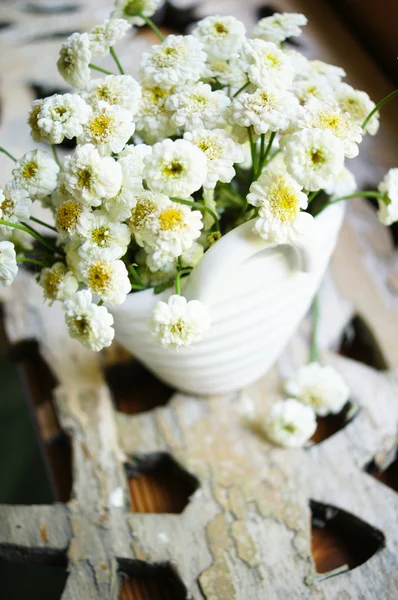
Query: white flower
point(58, 283)
point(103, 238)
point(109, 128)
point(290, 423)
point(74, 59)
point(192, 256)
point(153, 120)
point(37, 173)
point(316, 87)
point(314, 157)
point(321, 387)
point(117, 90)
point(342, 185)
point(60, 116)
point(221, 36)
point(221, 152)
point(266, 64)
point(8, 264)
point(272, 109)
point(107, 279)
point(15, 205)
point(88, 177)
point(179, 323)
point(69, 217)
point(331, 72)
point(103, 37)
point(176, 61)
point(175, 228)
point(388, 208)
point(225, 71)
point(158, 261)
point(280, 199)
point(331, 118)
point(87, 322)
point(197, 106)
point(358, 105)
point(131, 161)
point(279, 26)
point(175, 168)
point(132, 9)
point(143, 215)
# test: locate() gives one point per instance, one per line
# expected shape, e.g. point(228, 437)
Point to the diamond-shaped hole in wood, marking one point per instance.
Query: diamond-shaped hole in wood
point(158, 484)
point(388, 474)
point(31, 581)
point(141, 581)
point(340, 538)
point(330, 425)
point(359, 344)
point(134, 389)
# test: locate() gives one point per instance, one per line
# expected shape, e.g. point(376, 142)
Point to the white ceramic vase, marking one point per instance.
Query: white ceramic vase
point(257, 294)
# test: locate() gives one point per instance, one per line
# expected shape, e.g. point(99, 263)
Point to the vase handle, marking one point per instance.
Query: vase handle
point(232, 250)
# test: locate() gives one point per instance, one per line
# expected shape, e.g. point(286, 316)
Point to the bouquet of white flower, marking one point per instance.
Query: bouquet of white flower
point(220, 130)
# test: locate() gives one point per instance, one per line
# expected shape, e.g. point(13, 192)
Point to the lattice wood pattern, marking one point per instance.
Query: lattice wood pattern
point(177, 493)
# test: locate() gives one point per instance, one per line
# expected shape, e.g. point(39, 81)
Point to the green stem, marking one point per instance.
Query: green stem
point(100, 69)
point(100, 302)
point(262, 149)
point(4, 151)
point(264, 160)
point(178, 280)
point(40, 222)
point(29, 230)
point(33, 261)
point(116, 59)
point(201, 207)
point(314, 353)
point(252, 152)
point(356, 195)
point(54, 151)
point(379, 105)
point(137, 279)
point(244, 86)
point(152, 25)
point(137, 287)
point(312, 195)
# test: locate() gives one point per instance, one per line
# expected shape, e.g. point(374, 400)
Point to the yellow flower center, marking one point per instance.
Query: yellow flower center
point(210, 147)
point(60, 111)
point(100, 236)
point(220, 28)
point(7, 207)
point(51, 282)
point(99, 277)
point(68, 215)
point(32, 119)
point(29, 170)
point(133, 8)
point(101, 127)
point(178, 327)
point(173, 169)
point(81, 325)
point(170, 219)
point(272, 60)
point(103, 92)
point(85, 178)
point(141, 213)
point(283, 201)
point(317, 157)
point(166, 57)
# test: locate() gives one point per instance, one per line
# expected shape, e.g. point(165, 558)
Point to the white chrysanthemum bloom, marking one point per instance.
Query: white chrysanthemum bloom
point(280, 200)
point(87, 322)
point(221, 151)
point(109, 128)
point(153, 120)
point(266, 64)
point(388, 208)
point(131, 10)
point(221, 36)
point(131, 161)
point(37, 173)
point(272, 109)
point(89, 177)
point(69, 218)
point(179, 323)
point(318, 87)
point(117, 90)
point(342, 185)
point(331, 72)
point(176, 61)
point(290, 423)
point(8, 263)
point(358, 105)
point(320, 387)
point(15, 205)
point(107, 279)
point(279, 26)
point(60, 116)
point(143, 215)
point(314, 157)
point(225, 71)
point(58, 283)
point(158, 261)
point(331, 118)
point(192, 256)
point(103, 238)
point(175, 168)
point(175, 228)
point(38, 135)
point(103, 37)
point(198, 107)
point(74, 59)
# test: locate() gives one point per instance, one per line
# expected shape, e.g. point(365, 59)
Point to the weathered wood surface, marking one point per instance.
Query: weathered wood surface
point(246, 532)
